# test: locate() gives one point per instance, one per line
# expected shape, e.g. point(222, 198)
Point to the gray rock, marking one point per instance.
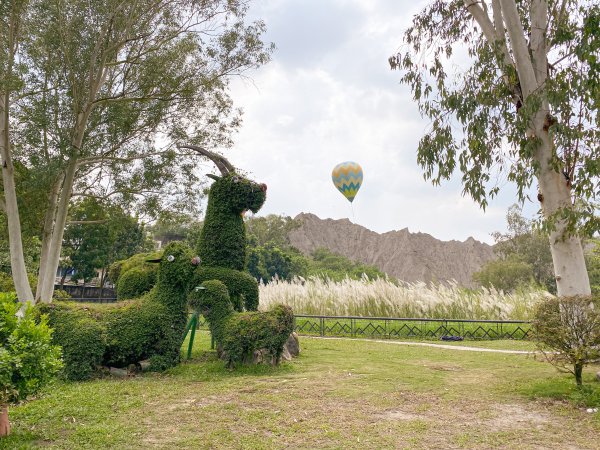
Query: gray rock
point(292, 346)
point(144, 365)
point(116, 372)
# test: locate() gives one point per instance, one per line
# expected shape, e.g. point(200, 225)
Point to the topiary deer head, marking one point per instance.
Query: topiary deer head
point(175, 270)
point(223, 237)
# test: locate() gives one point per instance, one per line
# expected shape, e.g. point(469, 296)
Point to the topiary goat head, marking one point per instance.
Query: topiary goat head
point(232, 192)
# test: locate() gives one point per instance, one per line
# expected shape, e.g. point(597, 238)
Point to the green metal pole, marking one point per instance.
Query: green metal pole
point(193, 324)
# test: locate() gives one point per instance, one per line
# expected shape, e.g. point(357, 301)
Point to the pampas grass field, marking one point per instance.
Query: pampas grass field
point(384, 298)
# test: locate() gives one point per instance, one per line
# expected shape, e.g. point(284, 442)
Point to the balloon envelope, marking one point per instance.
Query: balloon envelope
point(347, 178)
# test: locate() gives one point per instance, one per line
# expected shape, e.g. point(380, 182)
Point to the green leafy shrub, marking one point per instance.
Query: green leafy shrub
point(140, 260)
point(28, 359)
point(505, 274)
point(61, 295)
point(567, 331)
point(135, 282)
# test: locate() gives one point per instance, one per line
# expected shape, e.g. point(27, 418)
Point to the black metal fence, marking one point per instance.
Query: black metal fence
point(88, 293)
point(400, 328)
point(394, 327)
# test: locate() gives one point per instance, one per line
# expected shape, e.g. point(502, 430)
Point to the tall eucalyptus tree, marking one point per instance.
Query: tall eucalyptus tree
point(524, 102)
point(103, 93)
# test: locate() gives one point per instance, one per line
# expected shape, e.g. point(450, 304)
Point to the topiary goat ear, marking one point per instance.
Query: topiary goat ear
point(154, 260)
point(214, 177)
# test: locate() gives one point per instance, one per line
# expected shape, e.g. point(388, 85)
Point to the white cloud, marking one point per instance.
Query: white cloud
point(329, 96)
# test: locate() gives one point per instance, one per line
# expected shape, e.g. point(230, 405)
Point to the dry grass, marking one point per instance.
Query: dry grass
point(383, 298)
point(338, 394)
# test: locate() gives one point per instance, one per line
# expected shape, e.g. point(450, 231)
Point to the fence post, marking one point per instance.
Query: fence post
point(322, 326)
point(352, 331)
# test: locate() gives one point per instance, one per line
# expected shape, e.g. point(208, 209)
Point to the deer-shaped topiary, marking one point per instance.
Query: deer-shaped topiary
point(150, 327)
point(222, 246)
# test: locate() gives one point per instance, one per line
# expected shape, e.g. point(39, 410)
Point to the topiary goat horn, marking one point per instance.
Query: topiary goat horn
point(220, 161)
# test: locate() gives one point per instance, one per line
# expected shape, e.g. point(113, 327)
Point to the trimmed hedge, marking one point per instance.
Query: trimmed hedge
point(80, 335)
point(138, 261)
point(135, 282)
point(242, 287)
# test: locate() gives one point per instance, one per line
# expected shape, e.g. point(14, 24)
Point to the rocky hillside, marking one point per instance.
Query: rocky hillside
point(402, 254)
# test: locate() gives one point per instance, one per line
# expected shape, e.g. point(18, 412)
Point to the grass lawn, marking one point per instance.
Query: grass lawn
point(337, 394)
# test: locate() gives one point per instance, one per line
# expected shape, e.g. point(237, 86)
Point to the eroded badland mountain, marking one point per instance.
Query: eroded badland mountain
point(402, 254)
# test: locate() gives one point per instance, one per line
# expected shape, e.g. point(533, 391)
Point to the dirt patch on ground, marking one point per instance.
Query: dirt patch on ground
point(514, 416)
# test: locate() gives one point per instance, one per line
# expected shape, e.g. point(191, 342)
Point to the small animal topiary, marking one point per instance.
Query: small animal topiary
point(239, 335)
point(150, 327)
point(222, 246)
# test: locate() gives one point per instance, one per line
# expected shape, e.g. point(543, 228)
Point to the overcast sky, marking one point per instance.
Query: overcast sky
point(328, 96)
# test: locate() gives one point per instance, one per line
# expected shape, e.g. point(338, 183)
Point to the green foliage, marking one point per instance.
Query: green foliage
point(506, 275)
point(60, 295)
point(120, 334)
point(177, 227)
point(592, 261)
point(337, 267)
point(28, 360)
point(268, 261)
point(81, 336)
point(524, 243)
point(135, 282)
point(7, 284)
point(137, 262)
point(567, 331)
point(240, 334)
point(101, 234)
point(270, 230)
point(223, 236)
point(242, 287)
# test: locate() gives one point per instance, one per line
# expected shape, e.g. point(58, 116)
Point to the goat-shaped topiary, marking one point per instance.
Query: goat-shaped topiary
point(151, 327)
point(222, 246)
point(239, 335)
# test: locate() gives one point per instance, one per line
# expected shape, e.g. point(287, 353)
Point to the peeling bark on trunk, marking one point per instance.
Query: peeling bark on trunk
point(4, 422)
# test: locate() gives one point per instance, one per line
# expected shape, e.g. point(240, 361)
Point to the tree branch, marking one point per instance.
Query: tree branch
point(482, 19)
point(85, 222)
point(519, 47)
point(539, 23)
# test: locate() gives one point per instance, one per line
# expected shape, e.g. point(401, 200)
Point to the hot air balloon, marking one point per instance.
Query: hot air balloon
point(347, 178)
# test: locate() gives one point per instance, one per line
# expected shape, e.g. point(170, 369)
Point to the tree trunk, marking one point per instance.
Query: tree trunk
point(567, 252)
point(17, 259)
point(47, 235)
point(579, 373)
point(4, 422)
point(57, 235)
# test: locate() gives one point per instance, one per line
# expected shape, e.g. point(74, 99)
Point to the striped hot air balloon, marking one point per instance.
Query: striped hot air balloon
point(347, 177)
